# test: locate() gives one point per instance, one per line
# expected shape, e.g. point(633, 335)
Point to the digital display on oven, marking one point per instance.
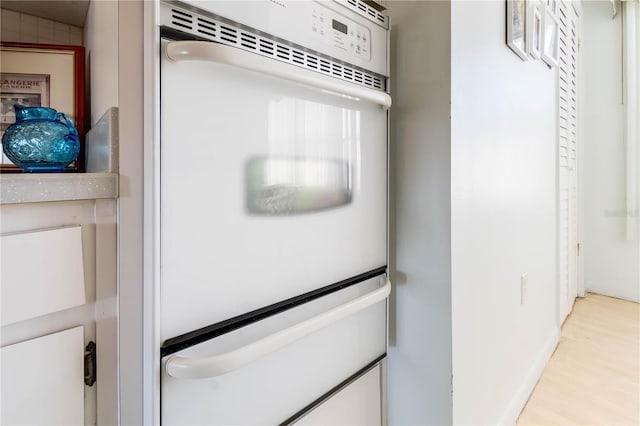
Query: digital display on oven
point(339, 26)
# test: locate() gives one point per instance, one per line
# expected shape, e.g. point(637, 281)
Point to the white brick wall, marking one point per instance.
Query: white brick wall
point(20, 27)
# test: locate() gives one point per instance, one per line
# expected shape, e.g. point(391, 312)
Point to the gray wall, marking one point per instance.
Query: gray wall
point(419, 372)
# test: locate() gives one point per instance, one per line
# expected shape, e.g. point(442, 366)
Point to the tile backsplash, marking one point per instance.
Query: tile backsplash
point(20, 27)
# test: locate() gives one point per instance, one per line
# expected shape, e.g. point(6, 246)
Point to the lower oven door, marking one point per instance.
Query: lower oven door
point(231, 380)
point(357, 403)
point(272, 185)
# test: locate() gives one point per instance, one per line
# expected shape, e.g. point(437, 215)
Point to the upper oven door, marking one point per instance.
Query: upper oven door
point(273, 183)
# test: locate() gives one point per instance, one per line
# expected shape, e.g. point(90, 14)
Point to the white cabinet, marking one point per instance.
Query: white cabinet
point(42, 380)
point(358, 404)
point(41, 272)
point(58, 293)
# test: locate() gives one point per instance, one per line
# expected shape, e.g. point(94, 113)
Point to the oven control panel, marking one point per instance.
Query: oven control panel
point(323, 26)
point(338, 31)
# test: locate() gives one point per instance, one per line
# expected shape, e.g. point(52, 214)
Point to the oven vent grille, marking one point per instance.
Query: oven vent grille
point(225, 33)
point(365, 10)
point(181, 19)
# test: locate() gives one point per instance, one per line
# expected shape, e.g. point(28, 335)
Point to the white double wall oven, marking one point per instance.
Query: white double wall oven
point(272, 212)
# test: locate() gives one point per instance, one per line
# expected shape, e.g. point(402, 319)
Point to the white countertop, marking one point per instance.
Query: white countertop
point(43, 187)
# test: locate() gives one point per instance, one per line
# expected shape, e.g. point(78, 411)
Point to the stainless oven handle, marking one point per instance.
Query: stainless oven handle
point(215, 52)
point(201, 368)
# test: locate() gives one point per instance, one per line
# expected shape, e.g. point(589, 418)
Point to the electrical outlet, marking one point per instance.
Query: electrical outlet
point(523, 287)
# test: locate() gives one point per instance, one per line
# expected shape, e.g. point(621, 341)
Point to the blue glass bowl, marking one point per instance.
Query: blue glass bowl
point(42, 140)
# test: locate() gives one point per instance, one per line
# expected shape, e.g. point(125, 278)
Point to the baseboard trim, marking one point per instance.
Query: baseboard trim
point(520, 398)
point(591, 288)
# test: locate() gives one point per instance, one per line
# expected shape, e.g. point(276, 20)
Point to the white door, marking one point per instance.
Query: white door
point(358, 404)
point(270, 188)
point(567, 158)
point(268, 371)
point(43, 380)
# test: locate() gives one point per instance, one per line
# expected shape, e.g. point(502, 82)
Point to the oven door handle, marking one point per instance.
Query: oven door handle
point(215, 52)
point(201, 368)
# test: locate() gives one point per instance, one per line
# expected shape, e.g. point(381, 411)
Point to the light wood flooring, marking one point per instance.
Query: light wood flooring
point(593, 378)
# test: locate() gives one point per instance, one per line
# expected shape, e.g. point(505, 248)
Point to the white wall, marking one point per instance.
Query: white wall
point(130, 210)
point(419, 366)
point(503, 206)
point(611, 263)
point(101, 49)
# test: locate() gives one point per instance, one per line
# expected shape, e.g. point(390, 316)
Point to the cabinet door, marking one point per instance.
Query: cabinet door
point(43, 380)
point(357, 404)
point(41, 272)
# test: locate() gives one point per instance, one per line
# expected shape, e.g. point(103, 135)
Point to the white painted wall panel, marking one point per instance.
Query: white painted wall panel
point(41, 272)
point(503, 221)
point(43, 380)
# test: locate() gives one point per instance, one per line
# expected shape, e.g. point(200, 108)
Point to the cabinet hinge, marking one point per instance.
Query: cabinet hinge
point(90, 364)
point(578, 248)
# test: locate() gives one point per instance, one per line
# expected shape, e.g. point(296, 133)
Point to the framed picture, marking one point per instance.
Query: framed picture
point(516, 27)
point(42, 75)
point(550, 38)
point(534, 30)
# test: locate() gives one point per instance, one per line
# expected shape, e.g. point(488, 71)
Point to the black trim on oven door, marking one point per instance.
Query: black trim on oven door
point(209, 332)
point(176, 35)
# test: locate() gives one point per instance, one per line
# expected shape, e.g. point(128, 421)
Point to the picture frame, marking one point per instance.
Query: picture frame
point(43, 75)
point(534, 30)
point(550, 38)
point(517, 27)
